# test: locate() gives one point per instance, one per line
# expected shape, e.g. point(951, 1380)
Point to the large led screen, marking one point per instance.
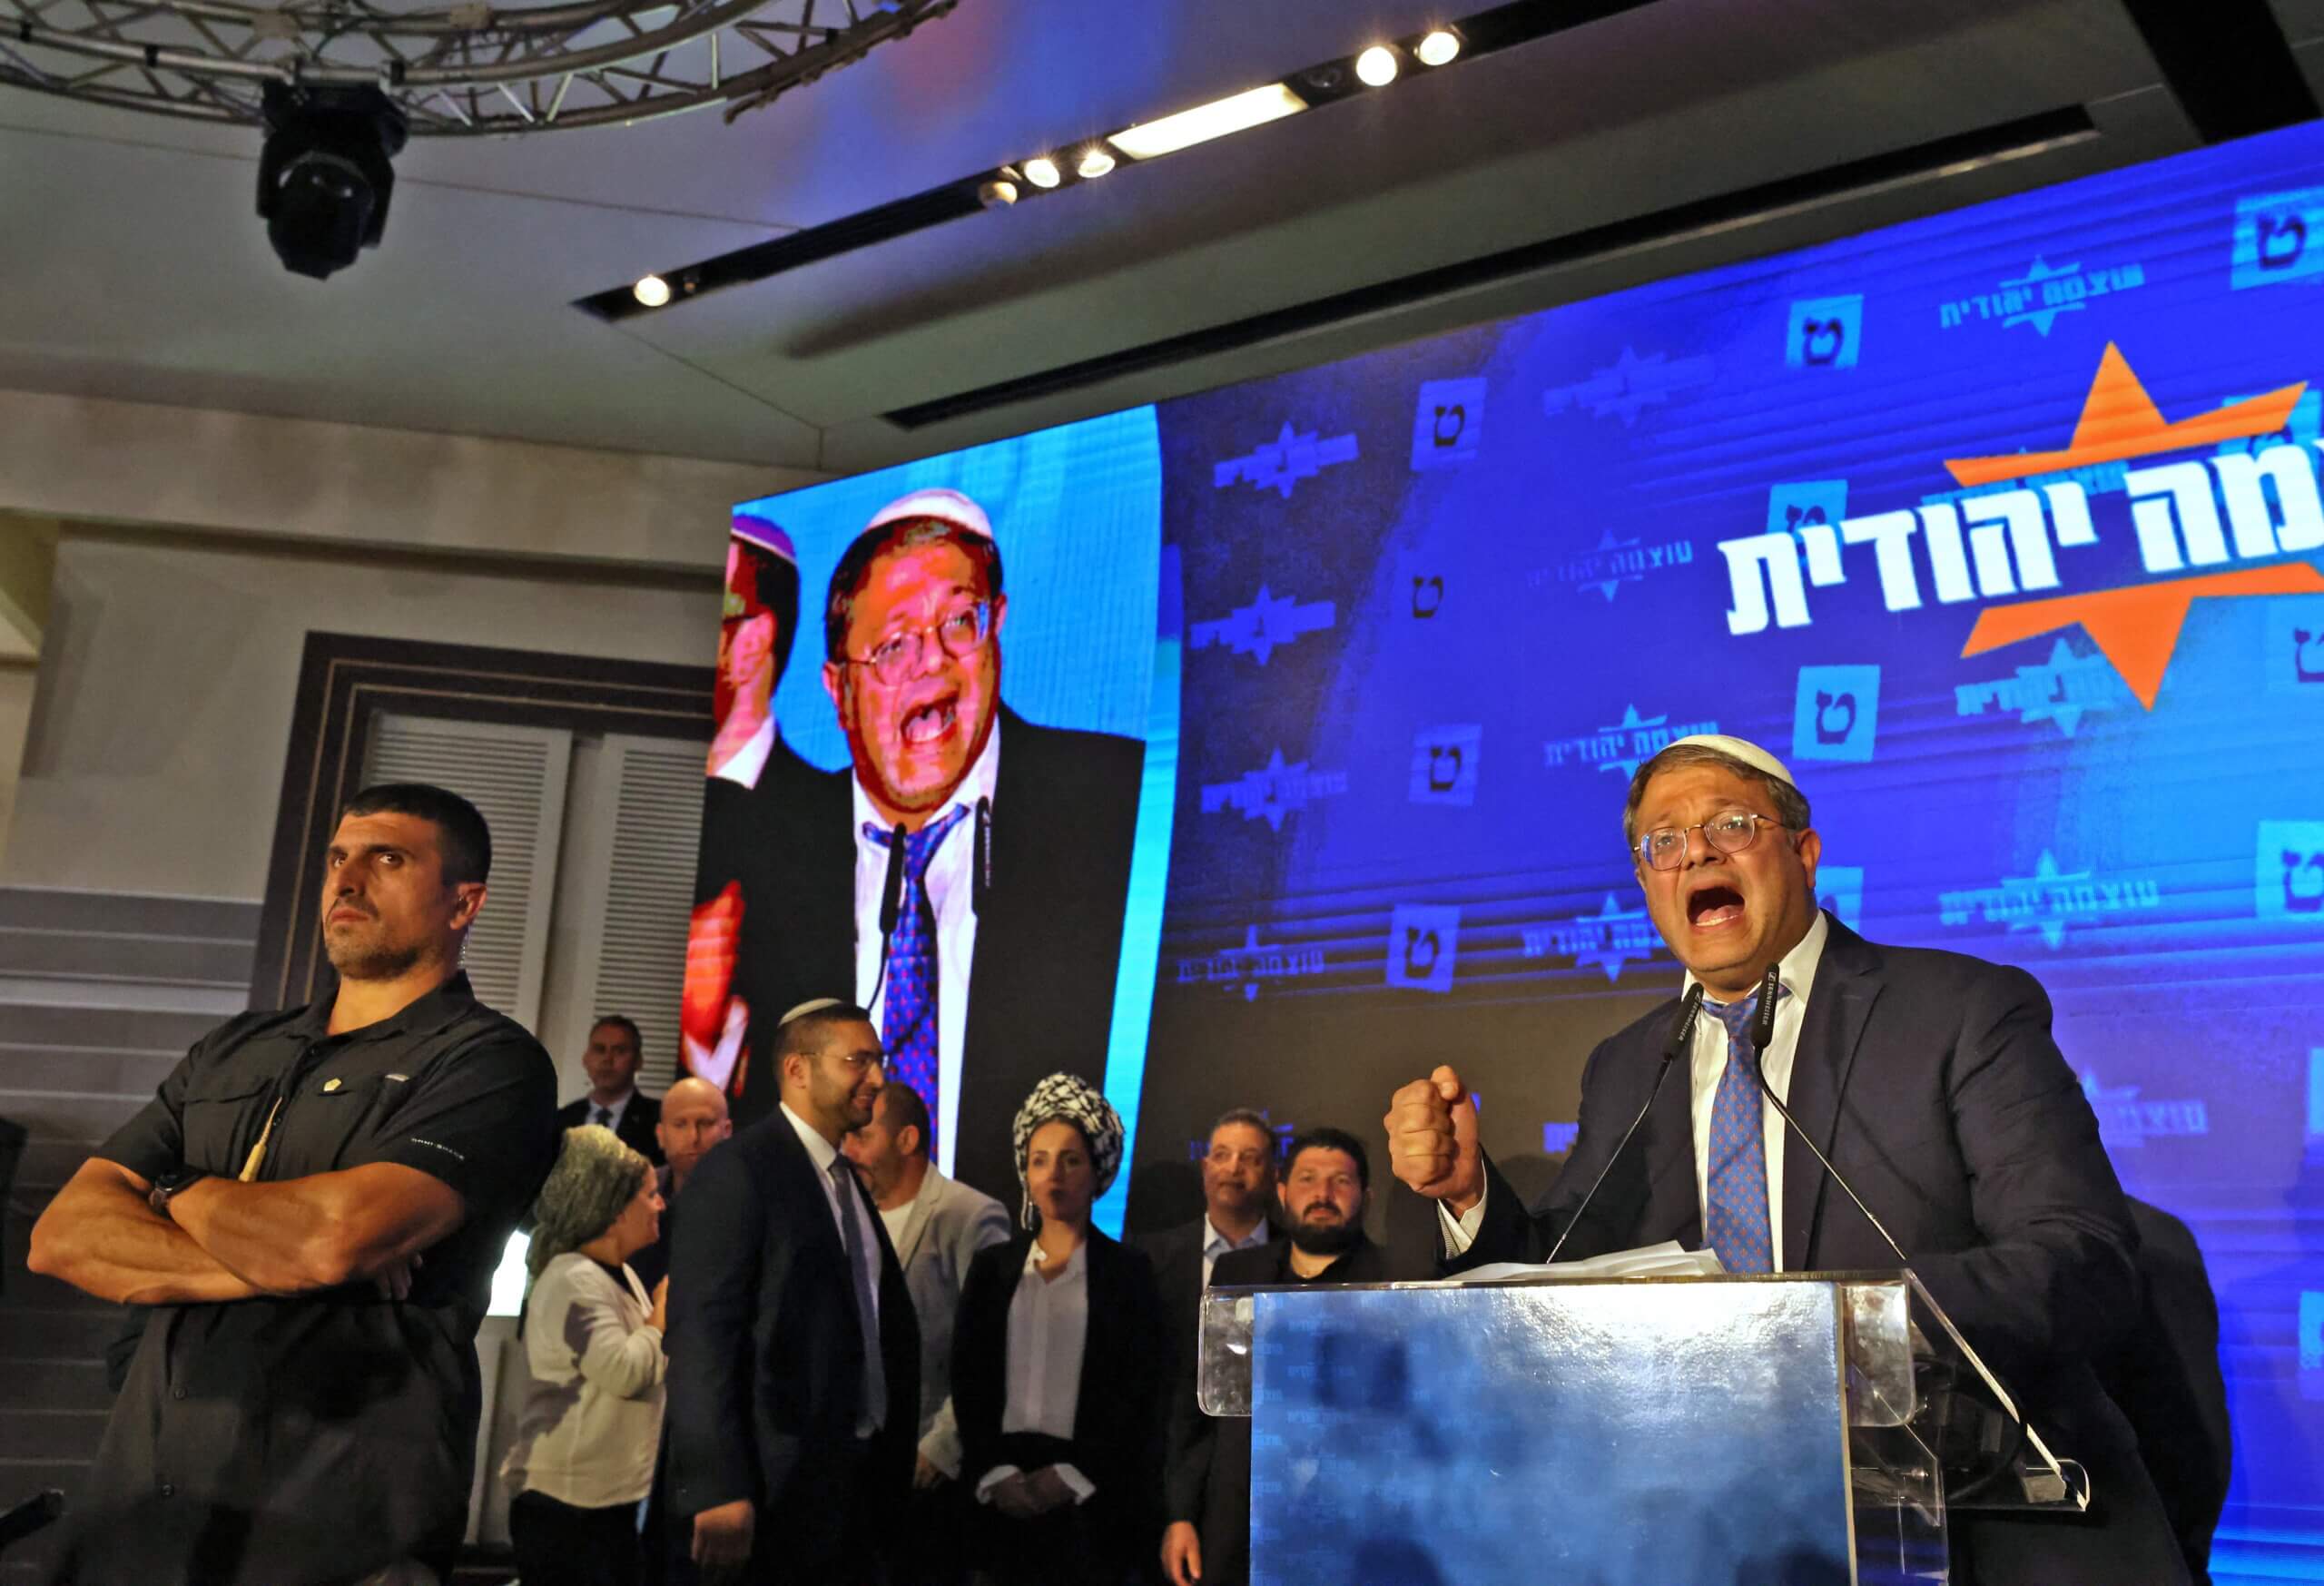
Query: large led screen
point(2002, 528)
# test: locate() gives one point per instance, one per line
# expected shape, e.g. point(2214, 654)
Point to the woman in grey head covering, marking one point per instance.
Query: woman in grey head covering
point(1058, 1364)
point(592, 1416)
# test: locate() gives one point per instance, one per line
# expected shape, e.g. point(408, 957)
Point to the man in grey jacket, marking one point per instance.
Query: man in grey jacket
point(937, 1225)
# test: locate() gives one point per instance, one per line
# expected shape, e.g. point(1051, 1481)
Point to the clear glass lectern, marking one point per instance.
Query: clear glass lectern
point(1806, 1428)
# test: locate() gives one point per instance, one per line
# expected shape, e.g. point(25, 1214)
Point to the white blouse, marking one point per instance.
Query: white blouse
point(592, 1417)
point(1048, 1328)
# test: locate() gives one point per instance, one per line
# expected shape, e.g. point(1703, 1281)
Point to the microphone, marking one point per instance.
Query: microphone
point(891, 895)
point(891, 909)
point(1763, 1031)
point(1682, 1030)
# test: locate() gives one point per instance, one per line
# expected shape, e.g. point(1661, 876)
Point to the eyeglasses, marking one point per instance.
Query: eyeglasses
point(897, 657)
point(1728, 832)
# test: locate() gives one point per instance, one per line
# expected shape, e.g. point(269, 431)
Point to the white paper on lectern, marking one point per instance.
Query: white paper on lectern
point(1664, 1260)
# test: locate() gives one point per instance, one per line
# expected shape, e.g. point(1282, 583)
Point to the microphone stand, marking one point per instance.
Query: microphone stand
point(1689, 1010)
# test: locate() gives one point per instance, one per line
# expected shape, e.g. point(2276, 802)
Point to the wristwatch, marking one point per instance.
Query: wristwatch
point(167, 1187)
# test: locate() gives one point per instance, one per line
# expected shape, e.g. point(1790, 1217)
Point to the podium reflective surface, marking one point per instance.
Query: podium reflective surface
point(1801, 1428)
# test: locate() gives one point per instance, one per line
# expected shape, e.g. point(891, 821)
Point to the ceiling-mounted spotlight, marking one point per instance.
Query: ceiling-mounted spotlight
point(997, 193)
point(1095, 163)
point(1439, 48)
point(1042, 172)
point(323, 176)
point(651, 290)
point(1376, 67)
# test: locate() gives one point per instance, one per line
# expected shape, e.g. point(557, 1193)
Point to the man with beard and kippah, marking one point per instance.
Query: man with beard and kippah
point(1325, 1190)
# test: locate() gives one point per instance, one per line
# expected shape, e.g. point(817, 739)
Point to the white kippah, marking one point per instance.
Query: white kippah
point(812, 1005)
point(949, 505)
point(1742, 749)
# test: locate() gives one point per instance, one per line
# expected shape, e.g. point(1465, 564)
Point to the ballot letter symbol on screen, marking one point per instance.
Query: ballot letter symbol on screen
point(1424, 941)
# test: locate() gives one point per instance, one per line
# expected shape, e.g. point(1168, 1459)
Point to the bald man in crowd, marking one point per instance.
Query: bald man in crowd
point(694, 1119)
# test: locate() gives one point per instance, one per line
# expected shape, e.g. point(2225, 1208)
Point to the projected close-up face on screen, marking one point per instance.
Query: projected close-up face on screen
point(935, 815)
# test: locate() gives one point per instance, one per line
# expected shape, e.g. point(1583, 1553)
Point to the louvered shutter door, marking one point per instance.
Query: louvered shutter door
point(641, 966)
point(516, 776)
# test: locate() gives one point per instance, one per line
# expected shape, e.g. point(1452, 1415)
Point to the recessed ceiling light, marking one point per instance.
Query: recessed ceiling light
point(1095, 163)
point(997, 193)
point(1237, 113)
point(651, 290)
point(1042, 172)
point(1376, 67)
point(1439, 47)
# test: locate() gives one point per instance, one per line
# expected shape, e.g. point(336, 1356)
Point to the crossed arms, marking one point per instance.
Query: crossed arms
point(227, 1240)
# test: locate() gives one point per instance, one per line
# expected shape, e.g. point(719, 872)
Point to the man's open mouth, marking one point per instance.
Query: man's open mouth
point(932, 720)
point(1713, 906)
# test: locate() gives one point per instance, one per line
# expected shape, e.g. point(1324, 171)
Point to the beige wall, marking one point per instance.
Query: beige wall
point(162, 709)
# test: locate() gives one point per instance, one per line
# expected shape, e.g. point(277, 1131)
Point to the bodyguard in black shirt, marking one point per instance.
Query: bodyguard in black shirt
point(313, 1205)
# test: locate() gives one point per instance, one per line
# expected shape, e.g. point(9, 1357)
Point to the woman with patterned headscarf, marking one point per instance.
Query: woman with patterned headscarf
point(591, 1420)
point(1057, 1366)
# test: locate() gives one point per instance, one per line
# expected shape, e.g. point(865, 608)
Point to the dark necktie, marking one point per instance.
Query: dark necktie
point(875, 1370)
point(1735, 1197)
point(604, 1119)
point(908, 1009)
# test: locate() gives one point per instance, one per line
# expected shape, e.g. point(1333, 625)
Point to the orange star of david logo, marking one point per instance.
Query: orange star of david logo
point(2137, 627)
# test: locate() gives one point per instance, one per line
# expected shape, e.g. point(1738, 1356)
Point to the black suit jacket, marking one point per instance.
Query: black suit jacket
point(1118, 1418)
point(1931, 1080)
point(2166, 1377)
point(766, 1361)
point(634, 1129)
point(1207, 1478)
point(1177, 1254)
point(1049, 934)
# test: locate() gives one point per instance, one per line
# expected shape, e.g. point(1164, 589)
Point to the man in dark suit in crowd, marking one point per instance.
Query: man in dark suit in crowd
point(795, 1360)
point(1931, 1080)
point(1007, 907)
point(614, 1101)
point(1206, 1482)
point(1238, 1185)
point(760, 807)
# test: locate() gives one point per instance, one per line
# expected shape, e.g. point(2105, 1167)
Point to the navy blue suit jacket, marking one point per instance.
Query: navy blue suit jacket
point(1931, 1080)
point(766, 1356)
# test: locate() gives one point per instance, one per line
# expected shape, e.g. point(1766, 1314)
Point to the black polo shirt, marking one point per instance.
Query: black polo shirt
point(320, 1438)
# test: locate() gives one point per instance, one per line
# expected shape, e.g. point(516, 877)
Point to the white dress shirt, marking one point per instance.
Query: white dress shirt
point(1215, 1243)
point(590, 1421)
point(1048, 1328)
point(1708, 1064)
point(822, 1154)
point(951, 895)
point(744, 766)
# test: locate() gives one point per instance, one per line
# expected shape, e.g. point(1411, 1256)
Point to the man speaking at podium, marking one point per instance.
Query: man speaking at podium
point(1931, 1080)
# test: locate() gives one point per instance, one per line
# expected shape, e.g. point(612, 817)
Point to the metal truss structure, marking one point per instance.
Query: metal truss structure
point(465, 69)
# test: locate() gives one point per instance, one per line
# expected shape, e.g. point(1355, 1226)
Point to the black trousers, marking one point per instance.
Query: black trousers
point(559, 1545)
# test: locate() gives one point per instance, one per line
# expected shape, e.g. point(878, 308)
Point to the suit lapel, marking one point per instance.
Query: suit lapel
point(1673, 1207)
point(814, 1201)
point(1839, 1004)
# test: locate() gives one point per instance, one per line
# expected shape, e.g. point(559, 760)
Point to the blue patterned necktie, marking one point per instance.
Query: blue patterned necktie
point(1735, 1199)
point(908, 1011)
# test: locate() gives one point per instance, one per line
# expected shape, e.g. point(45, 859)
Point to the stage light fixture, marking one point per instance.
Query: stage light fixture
point(1376, 67)
point(1439, 48)
point(1042, 172)
point(1095, 163)
point(1237, 113)
point(651, 290)
point(323, 174)
point(997, 193)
